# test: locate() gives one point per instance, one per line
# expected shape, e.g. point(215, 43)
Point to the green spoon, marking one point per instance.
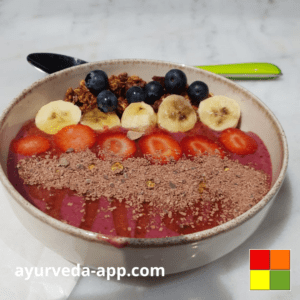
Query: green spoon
point(51, 62)
point(245, 71)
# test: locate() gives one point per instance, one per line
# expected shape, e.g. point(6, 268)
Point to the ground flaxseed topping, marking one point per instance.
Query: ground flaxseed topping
point(173, 187)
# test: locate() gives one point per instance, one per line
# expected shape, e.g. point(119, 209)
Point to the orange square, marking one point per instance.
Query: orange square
point(280, 259)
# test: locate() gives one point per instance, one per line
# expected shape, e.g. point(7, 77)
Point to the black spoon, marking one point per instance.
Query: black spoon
point(51, 63)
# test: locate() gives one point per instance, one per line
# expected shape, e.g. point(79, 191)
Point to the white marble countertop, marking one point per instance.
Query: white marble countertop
point(190, 32)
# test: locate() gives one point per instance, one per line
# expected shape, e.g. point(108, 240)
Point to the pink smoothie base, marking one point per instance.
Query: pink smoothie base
point(72, 208)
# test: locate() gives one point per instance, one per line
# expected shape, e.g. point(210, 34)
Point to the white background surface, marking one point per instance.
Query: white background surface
point(189, 32)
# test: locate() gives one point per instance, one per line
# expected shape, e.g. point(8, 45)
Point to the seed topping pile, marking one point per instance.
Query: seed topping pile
point(173, 187)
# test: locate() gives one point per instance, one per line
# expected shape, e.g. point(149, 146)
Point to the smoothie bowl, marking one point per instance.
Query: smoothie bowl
point(166, 165)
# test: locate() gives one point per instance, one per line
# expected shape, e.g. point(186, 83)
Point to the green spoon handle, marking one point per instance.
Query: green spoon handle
point(245, 71)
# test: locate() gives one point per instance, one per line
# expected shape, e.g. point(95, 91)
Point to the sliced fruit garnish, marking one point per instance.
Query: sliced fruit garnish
point(56, 115)
point(117, 143)
point(237, 141)
point(138, 116)
point(160, 147)
point(30, 145)
point(219, 112)
point(176, 114)
point(78, 137)
point(98, 120)
point(200, 145)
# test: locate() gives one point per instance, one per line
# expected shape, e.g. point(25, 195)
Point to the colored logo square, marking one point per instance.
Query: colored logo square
point(259, 259)
point(280, 280)
point(259, 280)
point(280, 259)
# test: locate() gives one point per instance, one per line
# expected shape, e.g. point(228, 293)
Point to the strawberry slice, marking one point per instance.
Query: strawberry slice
point(200, 145)
point(79, 137)
point(30, 145)
point(117, 143)
point(237, 141)
point(160, 147)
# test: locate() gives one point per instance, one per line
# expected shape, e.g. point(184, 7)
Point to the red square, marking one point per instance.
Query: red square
point(259, 259)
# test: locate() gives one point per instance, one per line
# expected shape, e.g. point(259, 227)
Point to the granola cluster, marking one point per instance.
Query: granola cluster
point(82, 97)
point(119, 85)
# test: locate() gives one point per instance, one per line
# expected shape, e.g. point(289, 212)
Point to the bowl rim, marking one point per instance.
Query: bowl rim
point(146, 242)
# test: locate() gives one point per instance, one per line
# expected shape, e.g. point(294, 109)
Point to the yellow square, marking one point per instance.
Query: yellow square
point(259, 279)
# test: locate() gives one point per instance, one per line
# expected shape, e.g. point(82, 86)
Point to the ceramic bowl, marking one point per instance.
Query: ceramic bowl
point(175, 254)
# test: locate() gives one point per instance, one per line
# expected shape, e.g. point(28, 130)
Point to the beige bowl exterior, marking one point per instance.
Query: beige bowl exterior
point(175, 254)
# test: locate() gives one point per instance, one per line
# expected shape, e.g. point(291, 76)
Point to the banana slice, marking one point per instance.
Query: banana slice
point(98, 120)
point(55, 115)
point(219, 112)
point(138, 116)
point(176, 114)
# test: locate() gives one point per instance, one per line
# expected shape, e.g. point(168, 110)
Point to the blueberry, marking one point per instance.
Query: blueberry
point(96, 81)
point(153, 91)
point(197, 91)
point(175, 81)
point(107, 101)
point(135, 94)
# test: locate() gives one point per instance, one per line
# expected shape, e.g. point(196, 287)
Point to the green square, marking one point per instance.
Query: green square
point(280, 280)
